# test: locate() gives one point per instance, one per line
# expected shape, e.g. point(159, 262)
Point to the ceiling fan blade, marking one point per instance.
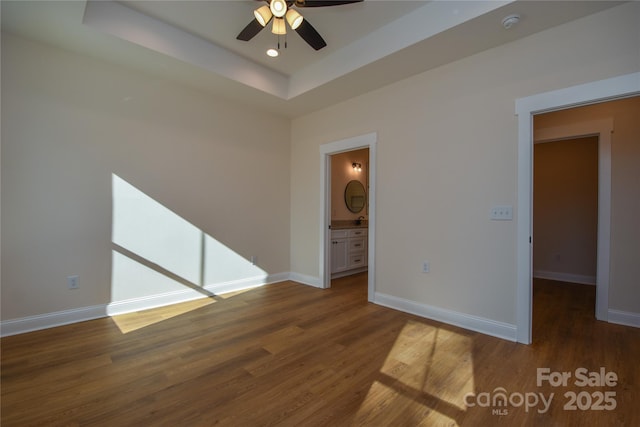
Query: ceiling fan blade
point(250, 31)
point(323, 3)
point(310, 35)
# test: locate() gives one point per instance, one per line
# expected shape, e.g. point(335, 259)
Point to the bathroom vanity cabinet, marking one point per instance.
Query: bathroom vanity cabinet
point(348, 251)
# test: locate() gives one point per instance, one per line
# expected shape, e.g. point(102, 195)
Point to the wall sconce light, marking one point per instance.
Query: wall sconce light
point(357, 167)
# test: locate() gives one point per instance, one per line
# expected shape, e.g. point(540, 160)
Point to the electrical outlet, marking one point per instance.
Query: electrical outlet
point(72, 282)
point(254, 259)
point(425, 266)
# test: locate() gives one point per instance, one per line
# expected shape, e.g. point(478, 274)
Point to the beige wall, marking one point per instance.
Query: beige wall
point(341, 173)
point(71, 123)
point(446, 152)
point(565, 208)
point(624, 283)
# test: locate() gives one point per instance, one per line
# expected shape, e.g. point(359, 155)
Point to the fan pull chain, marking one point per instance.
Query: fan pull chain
point(285, 41)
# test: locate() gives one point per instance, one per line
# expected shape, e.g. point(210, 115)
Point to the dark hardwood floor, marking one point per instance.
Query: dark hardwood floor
point(292, 355)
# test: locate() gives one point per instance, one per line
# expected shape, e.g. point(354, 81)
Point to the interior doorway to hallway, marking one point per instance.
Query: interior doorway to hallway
point(565, 219)
point(575, 134)
point(620, 87)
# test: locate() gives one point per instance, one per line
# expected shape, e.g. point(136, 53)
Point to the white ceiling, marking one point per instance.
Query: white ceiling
point(369, 44)
point(220, 21)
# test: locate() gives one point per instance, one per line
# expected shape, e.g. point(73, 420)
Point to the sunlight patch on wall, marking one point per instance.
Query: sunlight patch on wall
point(159, 258)
point(428, 371)
point(132, 280)
point(223, 265)
point(150, 230)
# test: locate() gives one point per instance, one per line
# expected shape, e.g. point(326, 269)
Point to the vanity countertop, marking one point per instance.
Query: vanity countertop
point(345, 224)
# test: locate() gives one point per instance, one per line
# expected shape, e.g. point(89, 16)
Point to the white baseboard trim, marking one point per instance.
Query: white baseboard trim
point(242, 284)
point(624, 318)
point(305, 279)
point(565, 277)
point(349, 272)
point(152, 301)
point(474, 323)
point(50, 320)
point(161, 300)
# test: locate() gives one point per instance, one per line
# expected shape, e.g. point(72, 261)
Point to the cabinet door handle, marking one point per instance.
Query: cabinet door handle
point(357, 245)
point(356, 260)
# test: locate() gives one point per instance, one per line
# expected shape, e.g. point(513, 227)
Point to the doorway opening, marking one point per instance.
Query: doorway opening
point(565, 225)
point(350, 238)
point(349, 221)
point(589, 93)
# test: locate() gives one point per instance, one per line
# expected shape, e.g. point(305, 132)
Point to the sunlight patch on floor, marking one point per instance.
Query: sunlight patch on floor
point(232, 294)
point(427, 372)
point(141, 319)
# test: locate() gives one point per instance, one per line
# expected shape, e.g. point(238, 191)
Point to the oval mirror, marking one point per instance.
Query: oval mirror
point(355, 196)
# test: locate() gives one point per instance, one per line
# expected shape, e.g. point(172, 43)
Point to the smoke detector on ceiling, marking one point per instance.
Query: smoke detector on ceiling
point(510, 21)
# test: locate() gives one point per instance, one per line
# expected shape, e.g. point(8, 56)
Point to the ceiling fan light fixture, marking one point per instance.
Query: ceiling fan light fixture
point(263, 15)
point(279, 26)
point(278, 8)
point(294, 18)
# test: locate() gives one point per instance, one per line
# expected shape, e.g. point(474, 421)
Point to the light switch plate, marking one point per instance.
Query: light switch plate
point(501, 213)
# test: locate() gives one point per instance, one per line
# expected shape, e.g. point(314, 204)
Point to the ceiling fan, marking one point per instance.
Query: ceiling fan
point(280, 10)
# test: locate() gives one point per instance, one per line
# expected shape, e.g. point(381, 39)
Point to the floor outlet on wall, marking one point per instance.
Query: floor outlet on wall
point(72, 282)
point(425, 266)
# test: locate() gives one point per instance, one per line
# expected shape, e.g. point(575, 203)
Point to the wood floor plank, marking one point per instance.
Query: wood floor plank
point(291, 355)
